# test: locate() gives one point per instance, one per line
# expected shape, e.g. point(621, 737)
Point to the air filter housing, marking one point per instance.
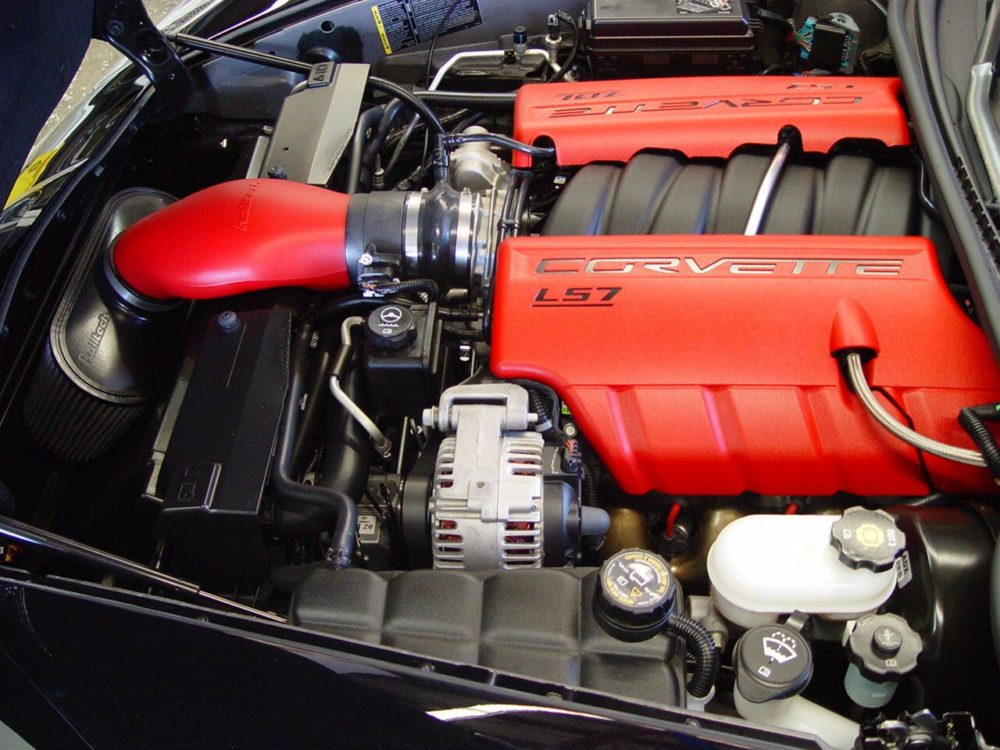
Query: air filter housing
point(108, 351)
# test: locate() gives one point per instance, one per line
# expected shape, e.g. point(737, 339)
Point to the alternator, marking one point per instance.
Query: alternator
point(486, 499)
point(499, 497)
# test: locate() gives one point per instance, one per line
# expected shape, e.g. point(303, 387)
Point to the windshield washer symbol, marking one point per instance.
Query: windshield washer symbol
point(780, 648)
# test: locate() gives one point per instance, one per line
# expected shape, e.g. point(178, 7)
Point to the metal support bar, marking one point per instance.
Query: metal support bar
point(984, 126)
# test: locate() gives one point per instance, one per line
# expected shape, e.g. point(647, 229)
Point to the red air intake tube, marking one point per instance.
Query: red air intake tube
point(237, 237)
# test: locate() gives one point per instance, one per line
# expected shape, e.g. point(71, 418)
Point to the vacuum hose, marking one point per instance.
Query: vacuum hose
point(284, 484)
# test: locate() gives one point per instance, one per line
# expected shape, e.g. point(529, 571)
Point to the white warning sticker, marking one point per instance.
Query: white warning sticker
point(904, 573)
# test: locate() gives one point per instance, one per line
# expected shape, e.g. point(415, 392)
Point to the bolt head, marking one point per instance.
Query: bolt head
point(228, 321)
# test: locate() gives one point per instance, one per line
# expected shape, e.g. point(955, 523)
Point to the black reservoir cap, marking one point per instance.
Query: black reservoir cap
point(867, 539)
point(884, 647)
point(635, 595)
point(390, 327)
point(772, 662)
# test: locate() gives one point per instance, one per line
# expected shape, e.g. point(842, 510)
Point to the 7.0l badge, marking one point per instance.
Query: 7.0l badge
point(576, 296)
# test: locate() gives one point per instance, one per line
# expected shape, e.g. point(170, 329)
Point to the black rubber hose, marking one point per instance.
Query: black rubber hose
point(342, 306)
point(432, 121)
point(366, 121)
point(345, 461)
point(537, 404)
point(411, 98)
point(706, 653)
point(983, 439)
point(469, 334)
point(451, 314)
point(310, 414)
point(343, 467)
point(571, 22)
point(389, 115)
point(476, 100)
point(537, 152)
point(523, 190)
point(434, 39)
point(590, 497)
point(287, 488)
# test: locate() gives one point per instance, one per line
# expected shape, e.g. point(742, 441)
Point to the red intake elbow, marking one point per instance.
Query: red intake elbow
point(237, 237)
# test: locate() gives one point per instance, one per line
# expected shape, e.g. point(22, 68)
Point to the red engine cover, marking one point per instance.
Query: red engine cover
point(614, 120)
point(702, 364)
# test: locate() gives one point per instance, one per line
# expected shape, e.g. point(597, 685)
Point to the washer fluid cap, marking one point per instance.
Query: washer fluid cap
point(772, 661)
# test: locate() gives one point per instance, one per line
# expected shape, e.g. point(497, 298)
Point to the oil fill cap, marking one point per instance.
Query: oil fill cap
point(635, 595)
point(867, 539)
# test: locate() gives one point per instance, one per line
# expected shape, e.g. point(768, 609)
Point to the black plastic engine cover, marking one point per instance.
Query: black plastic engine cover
point(536, 622)
point(665, 194)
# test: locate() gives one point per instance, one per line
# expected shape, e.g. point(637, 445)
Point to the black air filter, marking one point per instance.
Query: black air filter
point(108, 353)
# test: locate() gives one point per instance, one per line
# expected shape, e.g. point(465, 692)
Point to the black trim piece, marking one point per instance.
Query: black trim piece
point(126, 26)
point(52, 211)
point(463, 683)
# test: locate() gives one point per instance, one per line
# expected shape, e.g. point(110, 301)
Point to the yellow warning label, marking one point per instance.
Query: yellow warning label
point(381, 31)
point(30, 176)
point(636, 591)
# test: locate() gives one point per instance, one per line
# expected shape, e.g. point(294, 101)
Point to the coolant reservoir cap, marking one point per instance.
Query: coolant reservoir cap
point(772, 661)
point(867, 539)
point(390, 327)
point(884, 647)
point(635, 595)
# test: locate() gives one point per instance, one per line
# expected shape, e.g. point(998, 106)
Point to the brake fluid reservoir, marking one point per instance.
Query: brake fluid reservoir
point(840, 567)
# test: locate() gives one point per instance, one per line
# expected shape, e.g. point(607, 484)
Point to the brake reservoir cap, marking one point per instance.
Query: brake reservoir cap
point(867, 539)
point(635, 595)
